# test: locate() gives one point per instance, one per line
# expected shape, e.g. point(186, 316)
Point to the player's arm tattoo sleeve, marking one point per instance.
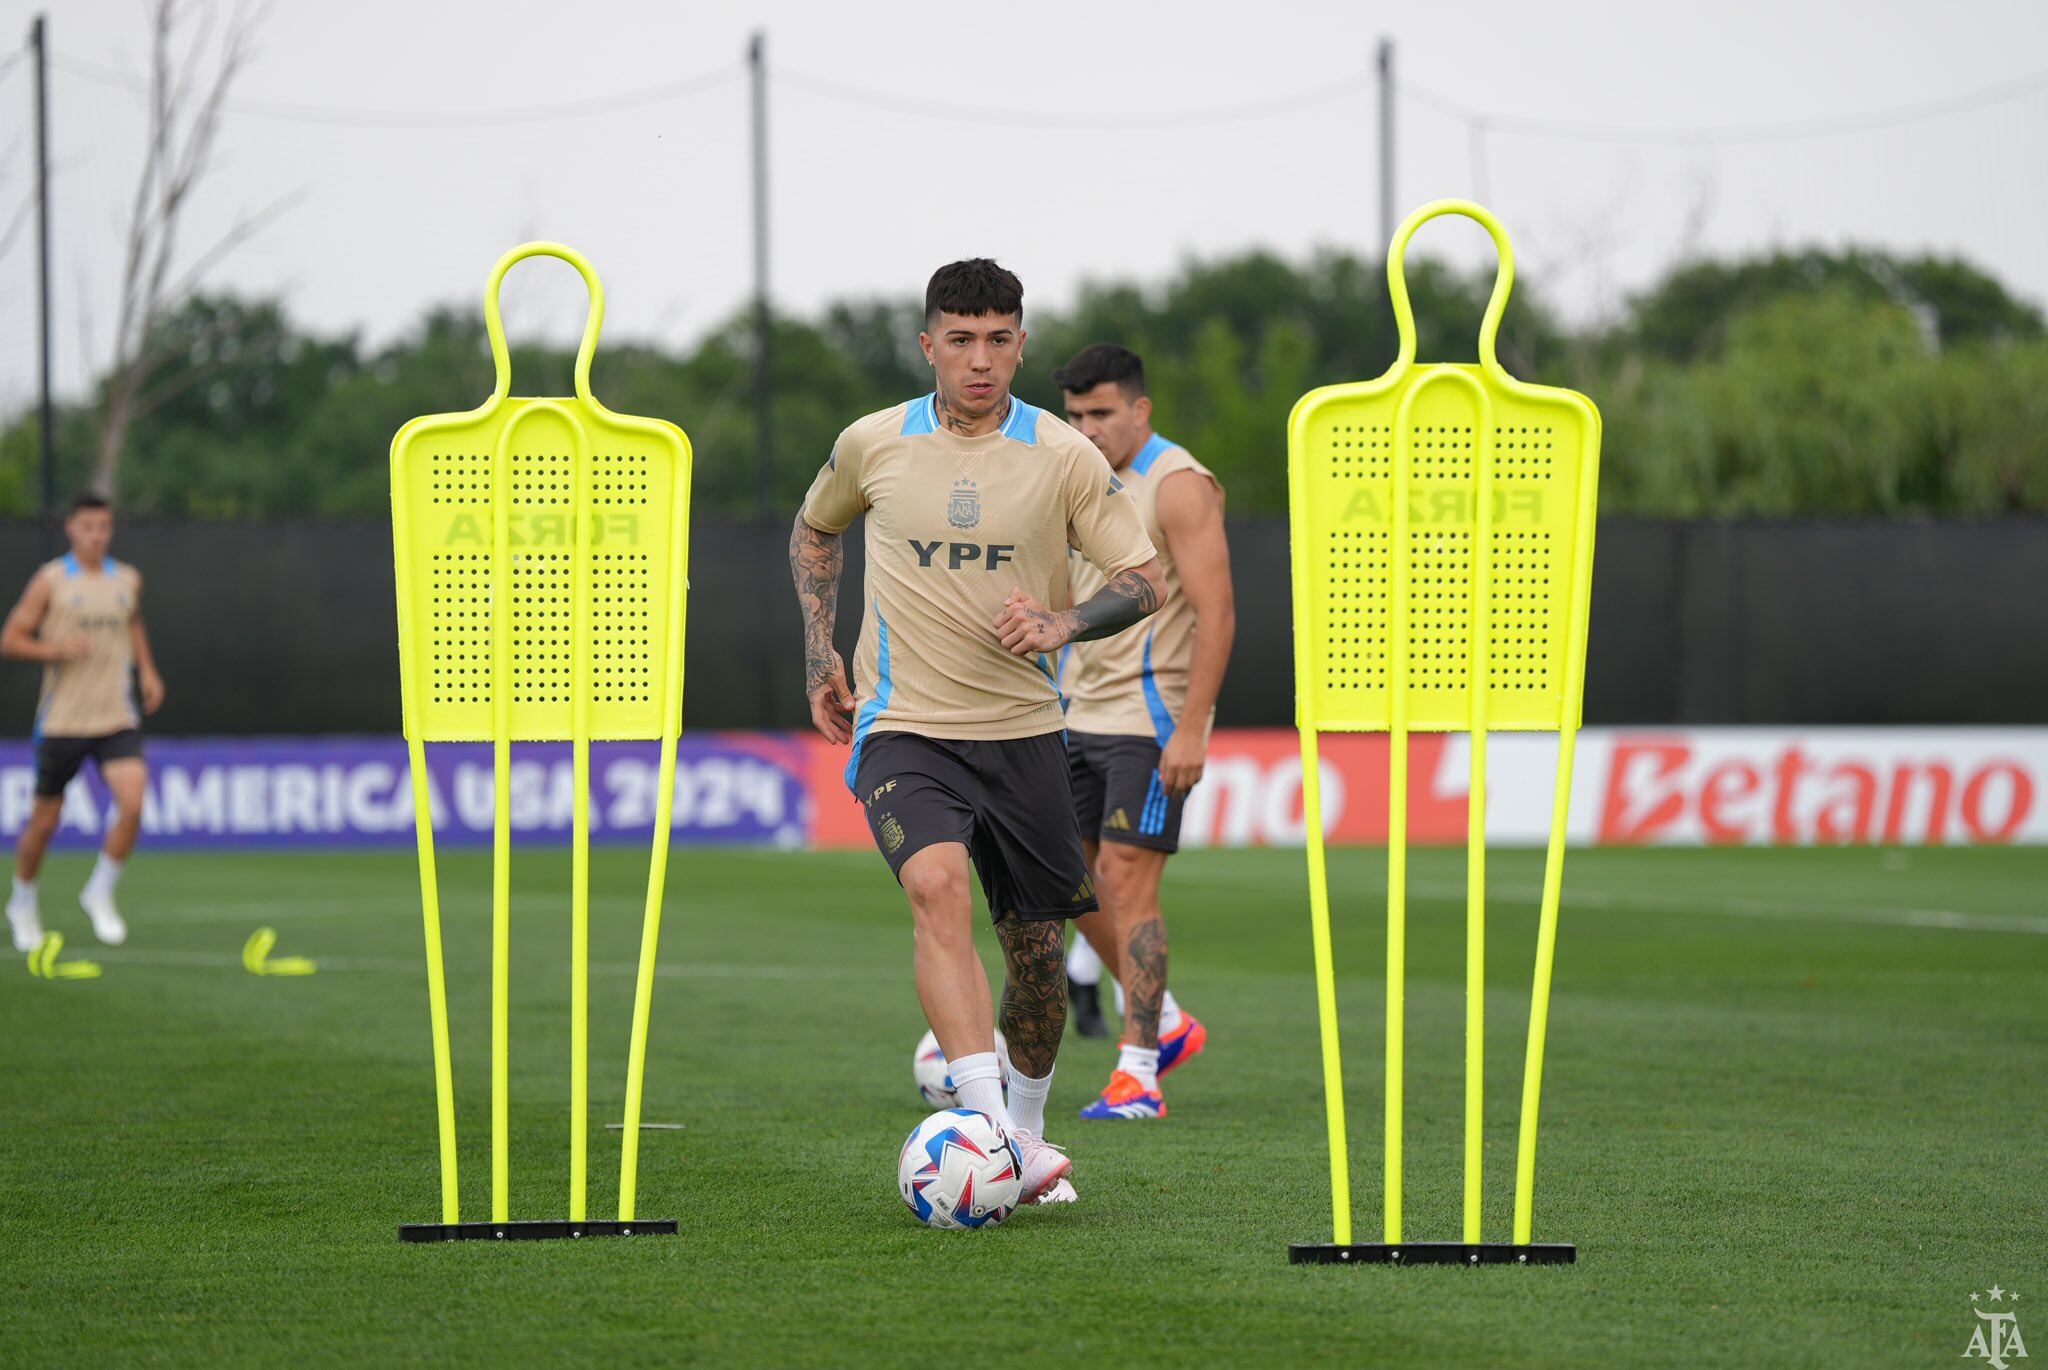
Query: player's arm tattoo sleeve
point(1035, 994)
point(815, 561)
point(1129, 596)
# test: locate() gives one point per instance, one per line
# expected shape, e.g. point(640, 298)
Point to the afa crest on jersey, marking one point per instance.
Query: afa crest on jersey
point(963, 510)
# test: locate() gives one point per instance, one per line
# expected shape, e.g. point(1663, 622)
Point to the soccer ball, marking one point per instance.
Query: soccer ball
point(934, 1082)
point(958, 1168)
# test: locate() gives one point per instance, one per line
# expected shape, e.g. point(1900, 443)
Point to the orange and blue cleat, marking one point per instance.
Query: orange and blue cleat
point(1182, 1043)
point(1126, 1098)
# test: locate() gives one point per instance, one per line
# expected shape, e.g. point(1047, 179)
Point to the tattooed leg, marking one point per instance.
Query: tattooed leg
point(1144, 981)
point(1127, 878)
point(1035, 994)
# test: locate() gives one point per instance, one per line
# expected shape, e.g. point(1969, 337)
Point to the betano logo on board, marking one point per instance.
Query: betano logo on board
point(1792, 795)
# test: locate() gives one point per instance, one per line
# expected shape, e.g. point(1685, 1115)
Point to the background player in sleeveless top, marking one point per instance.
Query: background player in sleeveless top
point(1139, 717)
point(971, 500)
point(81, 617)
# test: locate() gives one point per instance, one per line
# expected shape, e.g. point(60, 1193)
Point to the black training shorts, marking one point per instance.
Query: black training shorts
point(1118, 796)
point(60, 758)
point(1006, 800)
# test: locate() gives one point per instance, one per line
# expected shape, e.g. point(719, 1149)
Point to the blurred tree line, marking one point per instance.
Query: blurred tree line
point(1856, 383)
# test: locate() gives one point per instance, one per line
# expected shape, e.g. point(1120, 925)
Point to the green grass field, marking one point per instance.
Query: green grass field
point(1793, 1115)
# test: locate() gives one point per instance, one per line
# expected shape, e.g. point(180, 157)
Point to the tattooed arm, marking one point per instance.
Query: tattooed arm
point(1027, 627)
point(815, 561)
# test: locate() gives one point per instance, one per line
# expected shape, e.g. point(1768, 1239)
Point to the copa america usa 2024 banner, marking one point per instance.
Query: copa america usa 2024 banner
point(1675, 786)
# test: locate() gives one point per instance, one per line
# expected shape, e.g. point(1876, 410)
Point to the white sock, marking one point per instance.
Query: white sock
point(1084, 967)
point(978, 1080)
point(1141, 1064)
point(1169, 1013)
point(105, 872)
point(1027, 1101)
point(24, 893)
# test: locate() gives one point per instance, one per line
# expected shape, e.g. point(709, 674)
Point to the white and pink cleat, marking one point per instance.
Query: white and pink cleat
point(1046, 1169)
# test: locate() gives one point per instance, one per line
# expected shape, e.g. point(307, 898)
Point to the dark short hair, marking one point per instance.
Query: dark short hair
point(975, 286)
point(1100, 362)
point(88, 500)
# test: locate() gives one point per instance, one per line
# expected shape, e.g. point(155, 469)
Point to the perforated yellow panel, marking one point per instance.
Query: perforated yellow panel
point(1420, 500)
point(1540, 448)
point(627, 535)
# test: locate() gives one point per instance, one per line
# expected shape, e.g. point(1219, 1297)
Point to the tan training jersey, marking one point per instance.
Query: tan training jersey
point(953, 525)
point(1135, 683)
point(91, 697)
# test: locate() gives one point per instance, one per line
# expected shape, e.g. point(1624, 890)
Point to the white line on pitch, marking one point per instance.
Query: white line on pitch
point(699, 970)
point(1874, 915)
point(1777, 910)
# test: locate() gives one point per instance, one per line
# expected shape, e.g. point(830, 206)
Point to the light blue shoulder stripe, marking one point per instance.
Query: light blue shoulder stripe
point(919, 416)
point(1022, 425)
point(1149, 453)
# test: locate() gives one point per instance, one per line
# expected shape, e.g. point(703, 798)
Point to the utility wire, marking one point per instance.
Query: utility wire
point(1352, 83)
point(1790, 131)
point(479, 118)
point(968, 112)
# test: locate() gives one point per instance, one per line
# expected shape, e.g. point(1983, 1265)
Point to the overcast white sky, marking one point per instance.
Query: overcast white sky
point(867, 200)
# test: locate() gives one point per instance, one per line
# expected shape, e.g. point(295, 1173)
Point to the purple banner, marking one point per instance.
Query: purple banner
point(739, 788)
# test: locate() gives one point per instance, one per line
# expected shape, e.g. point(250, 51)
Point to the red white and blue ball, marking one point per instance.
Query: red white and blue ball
point(958, 1168)
point(934, 1082)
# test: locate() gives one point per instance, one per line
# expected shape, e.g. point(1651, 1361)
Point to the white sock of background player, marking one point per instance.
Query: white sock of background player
point(1084, 967)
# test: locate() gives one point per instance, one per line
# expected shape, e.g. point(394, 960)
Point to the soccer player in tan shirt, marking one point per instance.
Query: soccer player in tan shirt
point(1138, 724)
point(972, 499)
point(81, 617)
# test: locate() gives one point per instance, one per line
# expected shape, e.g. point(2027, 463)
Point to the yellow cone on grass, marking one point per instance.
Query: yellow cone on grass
point(256, 956)
point(44, 965)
